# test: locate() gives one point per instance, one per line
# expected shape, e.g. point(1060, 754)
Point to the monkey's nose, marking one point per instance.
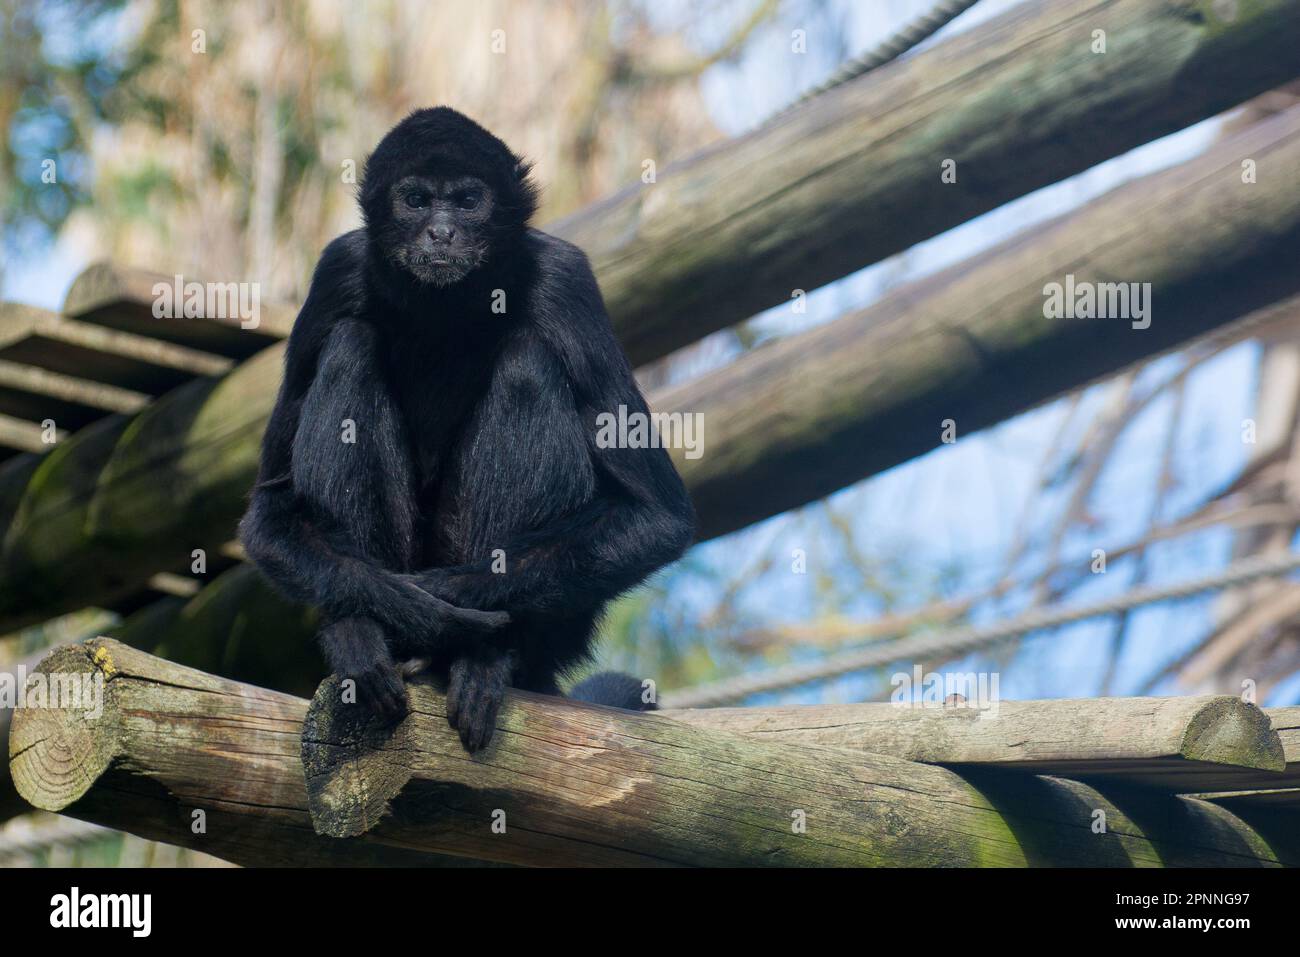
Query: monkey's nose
point(442, 232)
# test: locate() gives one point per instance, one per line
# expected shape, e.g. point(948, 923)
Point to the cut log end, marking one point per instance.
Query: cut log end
point(57, 753)
point(1229, 731)
point(347, 756)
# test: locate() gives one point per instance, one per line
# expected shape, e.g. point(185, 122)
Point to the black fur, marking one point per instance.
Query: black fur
point(614, 689)
point(474, 431)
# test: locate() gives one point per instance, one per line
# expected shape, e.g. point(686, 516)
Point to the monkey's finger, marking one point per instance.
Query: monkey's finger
point(484, 719)
point(455, 694)
point(485, 621)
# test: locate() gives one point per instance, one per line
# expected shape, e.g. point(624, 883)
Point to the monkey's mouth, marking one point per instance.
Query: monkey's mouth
point(441, 268)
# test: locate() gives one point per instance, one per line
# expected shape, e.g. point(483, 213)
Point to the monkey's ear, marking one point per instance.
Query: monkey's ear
point(526, 193)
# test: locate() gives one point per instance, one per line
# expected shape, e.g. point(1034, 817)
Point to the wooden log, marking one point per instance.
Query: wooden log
point(1269, 804)
point(580, 784)
point(1263, 787)
point(239, 627)
point(172, 741)
point(42, 340)
point(1058, 823)
point(1286, 723)
point(855, 176)
point(577, 784)
point(1187, 744)
point(120, 297)
point(123, 498)
point(792, 422)
point(588, 785)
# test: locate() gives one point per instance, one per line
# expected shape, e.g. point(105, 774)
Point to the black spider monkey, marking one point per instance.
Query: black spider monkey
point(436, 427)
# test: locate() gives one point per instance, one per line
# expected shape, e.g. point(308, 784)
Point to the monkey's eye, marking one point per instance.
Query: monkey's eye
point(418, 199)
point(468, 198)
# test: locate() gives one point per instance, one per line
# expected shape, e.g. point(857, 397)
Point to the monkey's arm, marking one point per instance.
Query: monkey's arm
point(631, 513)
point(301, 548)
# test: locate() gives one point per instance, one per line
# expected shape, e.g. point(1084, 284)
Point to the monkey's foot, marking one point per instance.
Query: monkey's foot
point(474, 692)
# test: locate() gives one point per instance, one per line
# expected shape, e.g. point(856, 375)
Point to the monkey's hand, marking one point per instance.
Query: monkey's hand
point(475, 690)
point(447, 616)
point(356, 648)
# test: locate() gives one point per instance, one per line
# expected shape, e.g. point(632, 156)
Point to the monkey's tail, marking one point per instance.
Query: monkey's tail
point(614, 689)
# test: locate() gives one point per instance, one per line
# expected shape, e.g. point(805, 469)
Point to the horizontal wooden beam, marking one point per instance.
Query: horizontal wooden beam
point(21, 435)
point(1181, 745)
point(794, 421)
point(123, 298)
point(37, 394)
point(562, 783)
point(43, 340)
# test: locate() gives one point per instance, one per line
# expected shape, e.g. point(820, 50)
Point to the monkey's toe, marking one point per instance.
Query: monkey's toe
point(474, 694)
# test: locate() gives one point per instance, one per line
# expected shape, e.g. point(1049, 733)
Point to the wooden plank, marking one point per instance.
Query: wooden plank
point(124, 298)
point(577, 784)
point(43, 340)
point(35, 395)
point(1280, 798)
point(23, 436)
point(1202, 743)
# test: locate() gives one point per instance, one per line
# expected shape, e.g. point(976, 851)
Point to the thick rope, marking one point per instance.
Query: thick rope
point(920, 29)
point(945, 645)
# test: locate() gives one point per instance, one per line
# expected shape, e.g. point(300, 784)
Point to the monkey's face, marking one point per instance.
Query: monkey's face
point(439, 228)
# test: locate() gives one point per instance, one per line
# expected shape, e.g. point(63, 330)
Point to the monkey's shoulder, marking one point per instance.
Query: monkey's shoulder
point(567, 317)
point(566, 302)
point(342, 265)
point(554, 253)
point(337, 296)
